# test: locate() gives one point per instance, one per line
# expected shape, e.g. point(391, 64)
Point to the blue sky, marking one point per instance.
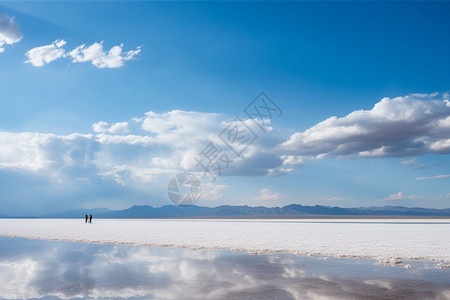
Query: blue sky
point(77, 131)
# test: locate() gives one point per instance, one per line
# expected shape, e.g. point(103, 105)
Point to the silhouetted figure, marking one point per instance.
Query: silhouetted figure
point(86, 218)
point(90, 218)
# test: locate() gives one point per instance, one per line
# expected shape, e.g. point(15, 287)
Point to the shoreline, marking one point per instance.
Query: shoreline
point(387, 261)
point(380, 240)
point(306, 217)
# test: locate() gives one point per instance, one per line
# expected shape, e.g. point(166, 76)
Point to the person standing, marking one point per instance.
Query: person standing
point(86, 219)
point(90, 218)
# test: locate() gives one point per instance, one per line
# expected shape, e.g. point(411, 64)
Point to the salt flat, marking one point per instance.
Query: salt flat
point(386, 240)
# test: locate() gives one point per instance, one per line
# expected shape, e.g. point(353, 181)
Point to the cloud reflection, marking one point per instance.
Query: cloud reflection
point(41, 269)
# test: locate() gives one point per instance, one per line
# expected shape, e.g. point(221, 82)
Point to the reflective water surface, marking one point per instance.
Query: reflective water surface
point(54, 270)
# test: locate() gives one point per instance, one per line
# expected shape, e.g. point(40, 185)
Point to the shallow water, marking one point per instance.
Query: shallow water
point(381, 239)
point(54, 270)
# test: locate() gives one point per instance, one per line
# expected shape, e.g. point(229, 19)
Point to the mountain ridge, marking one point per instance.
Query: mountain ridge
point(244, 211)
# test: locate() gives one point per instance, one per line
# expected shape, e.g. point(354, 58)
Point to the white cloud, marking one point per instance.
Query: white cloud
point(191, 132)
point(67, 171)
point(179, 123)
point(397, 196)
point(292, 160)
point(9, 31)
point(266, 194)
point(76, 169)
point(433, 177)
point(211, 191)
point(95, 54)
point(37, 151)
point(416, 124)
point(43, 55)
point(401, 196)
point(168, 144)
point(173, 141)
point(335, 199)
point(416, 165)
point(100, 126)
point(120, 127)
point(129, 139)
point(409, 162)
point(279, 171)
point(183, 130)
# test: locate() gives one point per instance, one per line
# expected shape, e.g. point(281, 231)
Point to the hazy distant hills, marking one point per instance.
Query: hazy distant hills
point(226, 211)
point(293, 210)
point(76, 213)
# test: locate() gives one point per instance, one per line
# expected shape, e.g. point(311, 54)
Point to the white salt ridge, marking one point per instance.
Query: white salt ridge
point(387, 241)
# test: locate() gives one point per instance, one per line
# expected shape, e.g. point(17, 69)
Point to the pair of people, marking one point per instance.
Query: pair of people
point(88, 218)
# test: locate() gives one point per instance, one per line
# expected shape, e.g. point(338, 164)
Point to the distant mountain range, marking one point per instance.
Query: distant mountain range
point(226, 211)
point(76, 213)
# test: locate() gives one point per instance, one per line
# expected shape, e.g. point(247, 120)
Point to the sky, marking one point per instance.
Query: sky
point(266, 103)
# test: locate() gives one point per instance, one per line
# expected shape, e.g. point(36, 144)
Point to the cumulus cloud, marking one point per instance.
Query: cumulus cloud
point(67, 171)
point(179, 123)
point(129, 139)
point(172, 141)
point(194, 133)
point(95, 54)
point(43, 55)
point(415, 124)
point(397, 196)
point(211, 191)
point(9, 31)
point(100, 126)
point(37, 151)
point(167, 143)
point(120, 127)
point(190, 135)
point(266, 194)
point(114, 58)
point(292, 160)
point(257, 162)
